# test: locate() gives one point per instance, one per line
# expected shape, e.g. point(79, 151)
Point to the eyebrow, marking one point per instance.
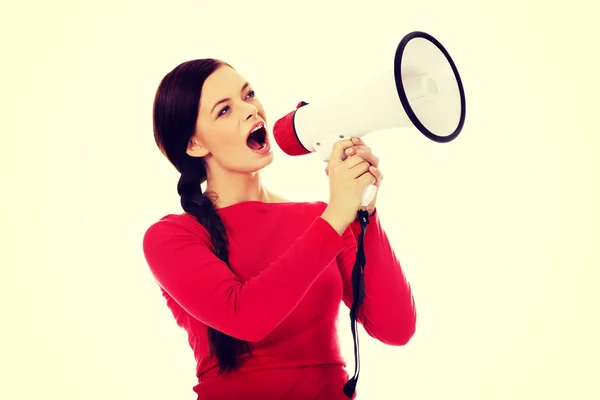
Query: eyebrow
point(227, 98)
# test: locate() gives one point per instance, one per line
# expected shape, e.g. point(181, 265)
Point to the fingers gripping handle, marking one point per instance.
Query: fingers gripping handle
point(323, 148)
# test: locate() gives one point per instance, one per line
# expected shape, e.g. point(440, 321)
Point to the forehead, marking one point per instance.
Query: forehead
point(224, 82)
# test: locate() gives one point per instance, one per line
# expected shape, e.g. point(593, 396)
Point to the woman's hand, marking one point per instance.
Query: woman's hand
point(360, 149)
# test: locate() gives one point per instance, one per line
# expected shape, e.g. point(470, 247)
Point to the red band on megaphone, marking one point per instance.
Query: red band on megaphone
point(285, 134)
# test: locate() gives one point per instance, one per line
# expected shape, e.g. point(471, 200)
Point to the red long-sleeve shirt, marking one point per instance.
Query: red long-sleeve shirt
point(290, 271)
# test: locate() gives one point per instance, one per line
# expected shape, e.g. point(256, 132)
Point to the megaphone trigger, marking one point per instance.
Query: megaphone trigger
point(368, 195)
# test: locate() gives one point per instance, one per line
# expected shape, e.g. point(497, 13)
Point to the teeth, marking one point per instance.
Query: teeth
point(257, 128)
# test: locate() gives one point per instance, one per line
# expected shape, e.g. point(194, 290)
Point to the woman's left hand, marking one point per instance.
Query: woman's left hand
point(360, 149)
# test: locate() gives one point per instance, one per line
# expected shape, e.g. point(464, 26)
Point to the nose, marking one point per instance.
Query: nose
point(252, 111)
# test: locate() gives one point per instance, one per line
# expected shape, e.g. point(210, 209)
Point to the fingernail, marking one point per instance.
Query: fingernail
point(349, 151)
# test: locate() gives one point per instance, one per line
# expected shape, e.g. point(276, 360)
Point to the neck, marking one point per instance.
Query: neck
point(236, 188)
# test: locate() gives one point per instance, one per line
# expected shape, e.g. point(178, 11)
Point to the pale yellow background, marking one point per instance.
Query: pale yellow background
point(497, 231)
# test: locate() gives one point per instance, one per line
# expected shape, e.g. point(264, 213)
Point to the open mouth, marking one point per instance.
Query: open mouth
point(257, 140)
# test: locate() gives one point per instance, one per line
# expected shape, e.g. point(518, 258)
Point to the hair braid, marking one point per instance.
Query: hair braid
point(194, 202)
point(175, 115)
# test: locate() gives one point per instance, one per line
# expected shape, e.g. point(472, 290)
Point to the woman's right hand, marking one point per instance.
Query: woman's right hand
point(348, 177)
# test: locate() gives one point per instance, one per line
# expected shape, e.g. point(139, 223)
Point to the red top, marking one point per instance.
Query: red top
point(291, 271)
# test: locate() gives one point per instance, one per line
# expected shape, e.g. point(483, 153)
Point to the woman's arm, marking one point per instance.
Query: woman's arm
point(388, 312)
point(183, 264)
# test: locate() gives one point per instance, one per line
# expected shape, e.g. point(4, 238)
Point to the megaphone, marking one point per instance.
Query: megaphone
point(422, 89)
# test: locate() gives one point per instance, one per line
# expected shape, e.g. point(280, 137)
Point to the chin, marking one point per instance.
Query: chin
point(266, 160)
point(253, 165)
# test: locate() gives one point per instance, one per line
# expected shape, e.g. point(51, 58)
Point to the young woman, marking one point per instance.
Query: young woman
point(257, 280)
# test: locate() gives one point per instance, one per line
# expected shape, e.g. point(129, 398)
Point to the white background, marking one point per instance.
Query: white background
point(495, 230)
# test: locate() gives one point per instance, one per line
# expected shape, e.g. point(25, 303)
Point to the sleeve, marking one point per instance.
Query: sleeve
point(183, 264)
point(388, 312)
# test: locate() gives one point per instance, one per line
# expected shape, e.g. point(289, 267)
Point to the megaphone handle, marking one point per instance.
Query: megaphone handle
point(368, 194)
point(323, 150)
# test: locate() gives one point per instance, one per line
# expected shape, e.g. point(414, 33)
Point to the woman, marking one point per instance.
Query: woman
point(257, 280)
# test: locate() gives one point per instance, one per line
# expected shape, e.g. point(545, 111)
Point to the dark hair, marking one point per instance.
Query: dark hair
point(175, 114)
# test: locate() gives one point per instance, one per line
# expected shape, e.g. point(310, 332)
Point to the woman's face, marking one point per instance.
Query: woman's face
point(229, 112)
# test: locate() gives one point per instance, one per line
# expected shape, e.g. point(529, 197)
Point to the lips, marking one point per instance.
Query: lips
point(255, 128)
point(256, 125)
point(257, 136)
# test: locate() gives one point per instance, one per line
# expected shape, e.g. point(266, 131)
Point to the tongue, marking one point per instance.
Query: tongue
point(254, 144)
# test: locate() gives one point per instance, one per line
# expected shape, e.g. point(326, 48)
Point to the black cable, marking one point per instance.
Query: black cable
point(358, 295)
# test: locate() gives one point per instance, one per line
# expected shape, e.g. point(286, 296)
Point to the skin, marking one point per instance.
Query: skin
point(233, 170)
point(360, 149)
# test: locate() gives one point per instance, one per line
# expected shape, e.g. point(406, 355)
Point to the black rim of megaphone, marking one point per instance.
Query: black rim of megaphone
point(402, 94)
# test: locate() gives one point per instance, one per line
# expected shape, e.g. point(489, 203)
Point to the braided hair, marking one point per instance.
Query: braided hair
point(175, 114)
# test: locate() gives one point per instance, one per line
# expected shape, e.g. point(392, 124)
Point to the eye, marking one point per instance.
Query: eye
point(223, 111)
point(251, 94)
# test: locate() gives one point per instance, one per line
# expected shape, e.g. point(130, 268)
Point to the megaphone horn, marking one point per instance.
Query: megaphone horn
point(422, 90)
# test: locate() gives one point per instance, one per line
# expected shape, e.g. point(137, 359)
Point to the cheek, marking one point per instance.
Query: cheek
point(226, 143)
point(224, 132)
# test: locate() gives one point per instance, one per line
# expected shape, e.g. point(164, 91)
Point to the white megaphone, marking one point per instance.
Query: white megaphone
point(423, 89)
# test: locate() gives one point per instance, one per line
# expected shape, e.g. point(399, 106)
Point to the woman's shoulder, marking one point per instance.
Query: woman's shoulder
point(184, 224)
point(172, 219)
point(173, 226)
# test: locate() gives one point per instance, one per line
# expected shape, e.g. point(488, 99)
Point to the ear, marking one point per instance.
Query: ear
point(196, 148)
